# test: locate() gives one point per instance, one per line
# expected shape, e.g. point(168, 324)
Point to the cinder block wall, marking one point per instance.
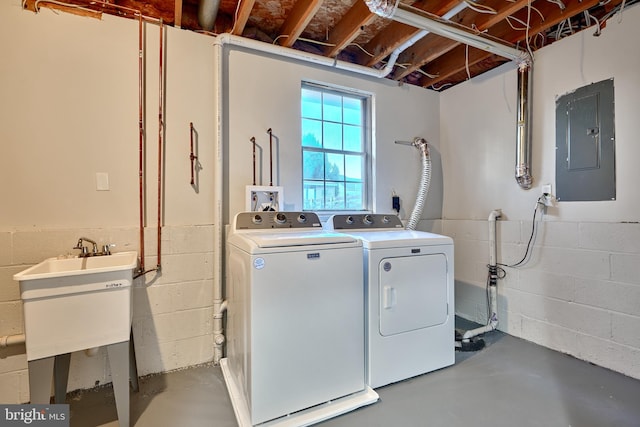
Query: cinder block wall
point(172, 311)
point(578, 294)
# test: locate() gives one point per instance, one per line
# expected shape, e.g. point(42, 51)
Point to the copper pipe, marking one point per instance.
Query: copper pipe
point(141, 140)
point(253, 140)
point(192, 157)
point(160, 139)
point(270, 156)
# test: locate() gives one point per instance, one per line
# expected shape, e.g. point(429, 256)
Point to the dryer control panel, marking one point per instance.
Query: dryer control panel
point(276, 220)
point(365, 222)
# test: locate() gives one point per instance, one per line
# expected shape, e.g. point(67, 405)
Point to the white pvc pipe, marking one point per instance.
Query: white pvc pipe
point(9, 340)
point(492, 324)
point(218, 331)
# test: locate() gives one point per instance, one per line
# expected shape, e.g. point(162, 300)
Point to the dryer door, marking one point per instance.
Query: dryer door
point(413, 293)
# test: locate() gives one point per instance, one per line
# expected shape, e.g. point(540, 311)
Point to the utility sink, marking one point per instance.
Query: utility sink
point(72, 304)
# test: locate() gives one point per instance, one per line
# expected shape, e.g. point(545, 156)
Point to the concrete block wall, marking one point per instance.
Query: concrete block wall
point(172, 311)
point(578, 294)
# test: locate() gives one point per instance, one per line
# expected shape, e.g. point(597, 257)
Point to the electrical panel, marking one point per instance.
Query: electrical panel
point(585, 144)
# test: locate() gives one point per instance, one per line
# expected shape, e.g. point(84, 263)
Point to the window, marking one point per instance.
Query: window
point(335, 142)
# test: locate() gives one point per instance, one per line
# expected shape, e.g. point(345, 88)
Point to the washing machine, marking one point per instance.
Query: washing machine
point(409, 297)
point(295, 349)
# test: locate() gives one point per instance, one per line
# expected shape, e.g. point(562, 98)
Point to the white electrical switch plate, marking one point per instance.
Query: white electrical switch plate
point(546, 189)
point(102, 181)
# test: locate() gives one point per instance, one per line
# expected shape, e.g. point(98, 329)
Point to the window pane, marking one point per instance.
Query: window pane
point(311, 133)
point(313, 195)
point(352, 138)
point(332, 107)
point(311, 104)
point(332, 136)
point(334, 196)
point(353, 168)
point(334, 167)
point(355, 195)
point(313, 165)
point(352, 111)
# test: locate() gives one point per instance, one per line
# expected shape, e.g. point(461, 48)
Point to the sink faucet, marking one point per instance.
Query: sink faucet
point(84, 252)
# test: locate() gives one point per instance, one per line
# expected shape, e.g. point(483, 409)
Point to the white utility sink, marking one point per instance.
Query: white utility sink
point(72, 304)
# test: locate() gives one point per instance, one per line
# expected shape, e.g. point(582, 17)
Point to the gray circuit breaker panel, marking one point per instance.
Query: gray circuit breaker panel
point(585, 144)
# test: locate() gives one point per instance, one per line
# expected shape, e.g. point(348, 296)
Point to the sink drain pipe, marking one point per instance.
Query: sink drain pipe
point(9, 340)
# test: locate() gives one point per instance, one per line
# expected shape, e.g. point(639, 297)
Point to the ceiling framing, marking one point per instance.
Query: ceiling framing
point(347, 30)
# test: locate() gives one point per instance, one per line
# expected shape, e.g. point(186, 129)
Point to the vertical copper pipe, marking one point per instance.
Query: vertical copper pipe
point(270, 156)
point(253, 141)
point(140, 142)
point(160, 139)
point(192, 157)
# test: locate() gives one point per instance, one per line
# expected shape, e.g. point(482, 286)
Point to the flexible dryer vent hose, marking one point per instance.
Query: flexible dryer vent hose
point(425, 180)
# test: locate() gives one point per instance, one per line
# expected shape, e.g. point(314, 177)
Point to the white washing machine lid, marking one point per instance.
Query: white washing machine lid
point(252, 241)
point(392, 238)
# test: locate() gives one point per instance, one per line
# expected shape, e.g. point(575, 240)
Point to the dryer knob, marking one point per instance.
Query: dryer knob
point(385, 219)
point(302, 218)
point(281, 218)
point(257, 219)
point(349, 220)
point(368, 219)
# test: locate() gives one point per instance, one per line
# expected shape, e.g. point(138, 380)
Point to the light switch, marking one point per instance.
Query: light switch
point(102, 181)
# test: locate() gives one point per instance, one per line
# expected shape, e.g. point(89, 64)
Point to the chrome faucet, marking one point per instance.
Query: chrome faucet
point(84, 251)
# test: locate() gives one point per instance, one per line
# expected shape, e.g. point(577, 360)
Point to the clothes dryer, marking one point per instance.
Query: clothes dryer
point(295, 320)
point(409, 295)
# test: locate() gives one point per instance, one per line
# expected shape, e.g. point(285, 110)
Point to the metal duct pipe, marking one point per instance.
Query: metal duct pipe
point(207, 13)
point(399, 12)
point(435, 24)
point(523, 137)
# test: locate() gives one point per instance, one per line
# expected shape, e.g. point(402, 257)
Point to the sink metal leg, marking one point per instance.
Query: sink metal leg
point(40, 377)
point(133, 365)
point(61, 376)
point(119, 363)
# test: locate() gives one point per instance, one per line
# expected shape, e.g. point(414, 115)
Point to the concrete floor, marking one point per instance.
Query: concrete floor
point(509, 383)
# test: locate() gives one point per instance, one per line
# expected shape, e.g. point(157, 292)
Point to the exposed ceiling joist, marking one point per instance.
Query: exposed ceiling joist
point(331, 27)
point(348, 28)
point(297, 21)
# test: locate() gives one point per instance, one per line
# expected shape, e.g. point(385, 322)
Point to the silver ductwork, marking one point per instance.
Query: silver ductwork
point(523, 136)
point(207, 13)
point(404, 14)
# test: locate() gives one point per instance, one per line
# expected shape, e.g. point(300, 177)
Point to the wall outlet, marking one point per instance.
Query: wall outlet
point(547, 195)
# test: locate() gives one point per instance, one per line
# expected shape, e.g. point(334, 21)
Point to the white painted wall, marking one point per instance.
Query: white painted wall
point(264, 92)
point(581, 292)
point(69, 109)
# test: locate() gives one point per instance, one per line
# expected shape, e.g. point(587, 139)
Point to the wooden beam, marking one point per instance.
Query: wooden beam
point(396, 33)
point(177, 13)
point(348, 28)
point(451, 63)
point(244, 11)
point(303, 11)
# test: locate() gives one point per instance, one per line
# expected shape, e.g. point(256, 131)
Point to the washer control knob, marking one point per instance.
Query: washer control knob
point(257, 219)
point(281, 218)
point(302, 218)
point(368, 219)
point(349, 220)
point(385, 219)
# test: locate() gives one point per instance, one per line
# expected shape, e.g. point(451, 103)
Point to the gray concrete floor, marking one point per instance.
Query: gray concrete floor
point(509, 383)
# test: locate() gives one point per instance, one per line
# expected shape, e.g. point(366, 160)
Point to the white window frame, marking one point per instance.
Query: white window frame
point(367, 128)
